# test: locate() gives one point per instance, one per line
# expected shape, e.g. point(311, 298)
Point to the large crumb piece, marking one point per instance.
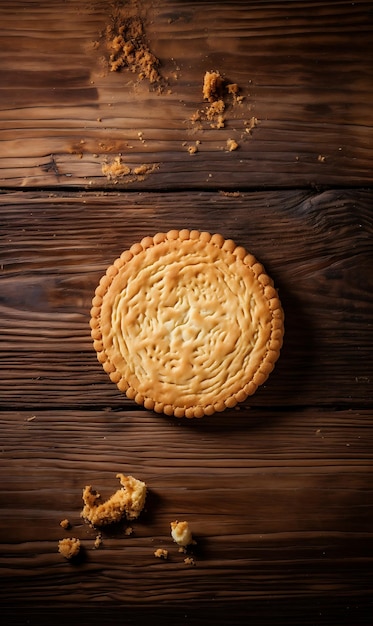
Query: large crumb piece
point(189, 561)
point(126, 502)
point(212, 86)
point(160, 553)
point(69, 547)
point(181, 534)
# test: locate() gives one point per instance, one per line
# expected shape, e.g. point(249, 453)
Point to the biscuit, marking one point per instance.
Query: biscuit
point(187, 323)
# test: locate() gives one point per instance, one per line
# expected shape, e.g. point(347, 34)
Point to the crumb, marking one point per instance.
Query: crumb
point(321, 158)
point(251, 124)
point(189, 561)
point(65, 524)
point(232, 145)
point(231, 194)
point(69, 548)
point(98, 541)
point(160, 553)
point(181, 533)
point(129, 531)
point(145, 169)
point(212, 86)
point(116, 169)
point(126, 502)
point(128, 48)
point(232, 88)
point(194, 148)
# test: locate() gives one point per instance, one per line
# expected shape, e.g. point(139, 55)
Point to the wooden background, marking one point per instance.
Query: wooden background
point(279, 492)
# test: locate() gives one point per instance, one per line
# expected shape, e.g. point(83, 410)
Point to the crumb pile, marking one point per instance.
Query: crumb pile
point(116, 170)
point(128, 48)
point(219, 94)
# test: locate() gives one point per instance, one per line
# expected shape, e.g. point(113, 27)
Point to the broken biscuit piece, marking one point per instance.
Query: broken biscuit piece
point(181, 534)
point(126, 502)
point(69, 547)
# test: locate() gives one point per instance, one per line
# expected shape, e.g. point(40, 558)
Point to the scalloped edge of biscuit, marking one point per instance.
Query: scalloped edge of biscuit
point(274, 344)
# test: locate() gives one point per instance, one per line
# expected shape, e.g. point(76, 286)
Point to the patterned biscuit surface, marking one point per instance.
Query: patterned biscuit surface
point(187, 323)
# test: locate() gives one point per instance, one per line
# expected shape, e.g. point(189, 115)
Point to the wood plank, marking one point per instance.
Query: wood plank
point(55, 248)
point(280, 505)
point(304, 69)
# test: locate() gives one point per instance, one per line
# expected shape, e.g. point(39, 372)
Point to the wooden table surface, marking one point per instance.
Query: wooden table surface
point(278, 491)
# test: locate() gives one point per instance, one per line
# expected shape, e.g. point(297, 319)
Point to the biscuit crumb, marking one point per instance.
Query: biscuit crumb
point(232, 145)
point(160, 553)
point(251, 124)
point(65, 524)
point(128, 48)
point(98, 541)
point(321, 158)
point(116, 169)
point(129, 531)
point(145, 169)
point(212, 86)
point(216, 90)
point(181, 533)
point(69, 548)
point(189, 561)
point(127, 502)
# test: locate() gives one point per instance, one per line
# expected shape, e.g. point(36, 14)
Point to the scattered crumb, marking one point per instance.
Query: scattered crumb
point(181, 533)
point(127, 46)
point(65, 524)
point(116, 169)
point(98, 541)
point(219, 94)
point(232, 144)
point(321, 158)
point(69, 548)
point(129, 531)
point(251, 124)
point(126, 502)
point(189, 560)
point(160, 553)
point(231, 194)
point(145, 169)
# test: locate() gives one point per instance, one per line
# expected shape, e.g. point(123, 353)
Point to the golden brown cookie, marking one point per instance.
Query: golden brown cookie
point(187, 323)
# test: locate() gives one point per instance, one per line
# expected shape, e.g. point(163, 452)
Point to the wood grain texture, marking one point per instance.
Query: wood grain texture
point(304, 69)
point(280, 504)
point(278, 491)
point(316, 247)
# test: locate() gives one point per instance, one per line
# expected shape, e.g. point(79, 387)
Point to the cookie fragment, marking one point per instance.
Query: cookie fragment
point(125, 502)
point(69, 547)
